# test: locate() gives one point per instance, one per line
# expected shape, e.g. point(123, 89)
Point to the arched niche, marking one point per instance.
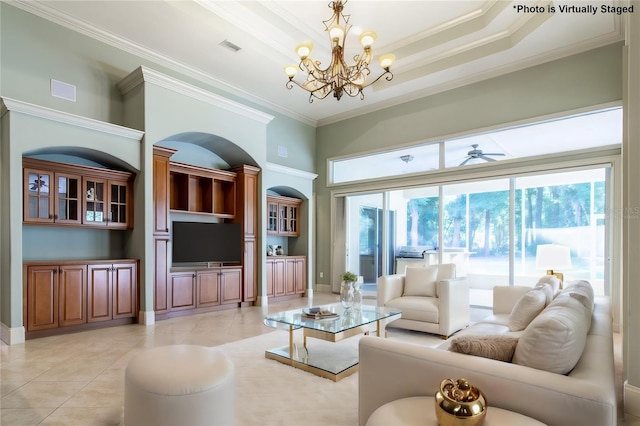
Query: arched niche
point(43, 242)
point(206, 150)
point(81, 156)
point(292, 245)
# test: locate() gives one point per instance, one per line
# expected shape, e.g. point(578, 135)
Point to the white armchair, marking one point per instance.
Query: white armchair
point(431, 299)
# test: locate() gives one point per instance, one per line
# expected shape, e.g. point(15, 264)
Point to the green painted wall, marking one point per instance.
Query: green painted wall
point(32, 52)
point(583, 80)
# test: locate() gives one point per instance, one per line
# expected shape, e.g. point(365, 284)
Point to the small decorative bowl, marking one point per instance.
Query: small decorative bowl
point(460, 404)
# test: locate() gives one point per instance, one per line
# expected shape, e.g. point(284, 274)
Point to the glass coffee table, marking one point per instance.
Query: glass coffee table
point(336, 363)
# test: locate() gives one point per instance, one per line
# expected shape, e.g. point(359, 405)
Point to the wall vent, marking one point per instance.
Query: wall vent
point(63, 90)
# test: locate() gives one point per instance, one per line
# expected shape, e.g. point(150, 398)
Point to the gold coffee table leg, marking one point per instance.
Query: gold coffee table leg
point(291, 344)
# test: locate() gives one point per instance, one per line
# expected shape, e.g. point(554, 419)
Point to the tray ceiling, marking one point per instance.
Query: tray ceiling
point(439, 44)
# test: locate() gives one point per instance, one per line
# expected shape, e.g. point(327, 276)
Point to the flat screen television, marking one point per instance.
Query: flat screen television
point(206, 242)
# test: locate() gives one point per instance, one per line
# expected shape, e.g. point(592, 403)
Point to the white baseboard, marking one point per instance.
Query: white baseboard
point(324, 288)
point(631, 400)
point(147, 317)
point(12, 336)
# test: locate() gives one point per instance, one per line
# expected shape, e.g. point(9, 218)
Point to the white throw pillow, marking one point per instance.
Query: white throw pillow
point(582, 291)
point(555, 339)
point(420, 281)
point(552, 280)
point(547, 290)
point(526, 309)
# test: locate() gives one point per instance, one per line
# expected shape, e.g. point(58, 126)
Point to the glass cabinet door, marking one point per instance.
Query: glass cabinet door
point(282, 215)
point(94, 193)
point(272, 223)
point(68, 199)
point(293, 219)
point(38, 196)
point(118, 203)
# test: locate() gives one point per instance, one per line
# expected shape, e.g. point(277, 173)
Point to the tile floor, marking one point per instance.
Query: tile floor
point(77, 379)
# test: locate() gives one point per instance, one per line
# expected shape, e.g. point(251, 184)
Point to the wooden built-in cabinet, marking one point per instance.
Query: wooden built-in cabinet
point(283, 216)
point(161, 237)
point(65, 295)
point(198, 290)
point(230, 196)
point(247, 217)
point(286, 275)
point(66, 194)
point(196, 189)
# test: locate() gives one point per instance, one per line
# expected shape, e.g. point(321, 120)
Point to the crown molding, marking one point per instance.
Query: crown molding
point(147, 75)
point(50, 14)
point(8, 104)
point(485, 12)
point(290, 171)
point(575, 49)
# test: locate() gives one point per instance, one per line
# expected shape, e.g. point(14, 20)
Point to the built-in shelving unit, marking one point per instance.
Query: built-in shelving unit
point(196, 189)
point(226, 195)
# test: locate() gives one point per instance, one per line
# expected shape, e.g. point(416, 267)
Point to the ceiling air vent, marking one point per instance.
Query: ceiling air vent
point(230, 46)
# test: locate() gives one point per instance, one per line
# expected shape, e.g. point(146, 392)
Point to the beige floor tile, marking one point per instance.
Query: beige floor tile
point(82, 371)
point(22, 370)
point(8, 387)
point(68, 416)
point(23, 416)
point(41, 395)
point(78, 379)
point(98, 394)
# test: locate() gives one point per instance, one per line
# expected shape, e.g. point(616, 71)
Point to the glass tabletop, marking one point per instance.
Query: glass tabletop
point(344, 320)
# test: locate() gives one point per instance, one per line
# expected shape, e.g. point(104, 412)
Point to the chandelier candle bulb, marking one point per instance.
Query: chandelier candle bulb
point(339, 77)
point(291, 70)
point(337, 35)
point(367, 38)
point(387, 60)
point(304, 49)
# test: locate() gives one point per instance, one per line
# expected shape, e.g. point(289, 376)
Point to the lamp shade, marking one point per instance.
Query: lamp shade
point(553, 256)
point(387, 60)
point(291, 70)
point(367, 38)
point(304, 49)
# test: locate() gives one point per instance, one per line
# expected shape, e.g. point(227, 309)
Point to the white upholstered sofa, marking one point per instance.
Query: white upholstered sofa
point(583, 396)
point(431, 299)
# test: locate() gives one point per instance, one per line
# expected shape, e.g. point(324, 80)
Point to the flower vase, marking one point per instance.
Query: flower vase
point(357, 296)
point(346, 296)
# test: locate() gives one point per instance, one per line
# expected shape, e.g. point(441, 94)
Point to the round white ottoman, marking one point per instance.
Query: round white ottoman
point(179, 385)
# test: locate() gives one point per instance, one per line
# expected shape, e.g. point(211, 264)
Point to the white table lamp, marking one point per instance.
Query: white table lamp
point(552, 257)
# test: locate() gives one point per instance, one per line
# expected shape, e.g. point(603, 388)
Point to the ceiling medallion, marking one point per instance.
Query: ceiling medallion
point(338, 78)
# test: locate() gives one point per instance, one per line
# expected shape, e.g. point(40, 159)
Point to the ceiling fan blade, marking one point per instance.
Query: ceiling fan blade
point(466, 161)
point(493, 153)
point(485, 158)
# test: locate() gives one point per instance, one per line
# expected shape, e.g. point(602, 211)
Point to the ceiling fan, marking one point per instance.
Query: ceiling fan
point(477, 153)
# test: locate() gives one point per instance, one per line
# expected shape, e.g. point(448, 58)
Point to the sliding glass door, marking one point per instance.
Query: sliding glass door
point(492, 229)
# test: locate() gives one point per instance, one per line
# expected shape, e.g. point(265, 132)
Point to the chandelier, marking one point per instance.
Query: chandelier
point(339, 77)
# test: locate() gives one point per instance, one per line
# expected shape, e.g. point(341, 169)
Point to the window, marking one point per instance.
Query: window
point(596, 129)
